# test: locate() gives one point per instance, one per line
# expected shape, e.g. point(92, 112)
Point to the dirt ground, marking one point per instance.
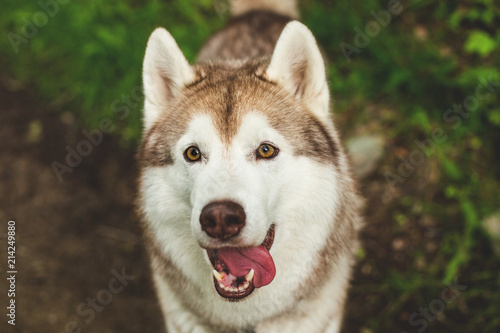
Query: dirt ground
point(71, 235)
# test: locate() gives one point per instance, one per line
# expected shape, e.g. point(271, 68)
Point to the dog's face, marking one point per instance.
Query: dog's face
point(235, 152)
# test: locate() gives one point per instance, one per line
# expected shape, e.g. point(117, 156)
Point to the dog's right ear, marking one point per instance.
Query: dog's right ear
point(165, 72)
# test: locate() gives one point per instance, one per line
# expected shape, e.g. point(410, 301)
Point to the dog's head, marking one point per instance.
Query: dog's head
point(241, 154)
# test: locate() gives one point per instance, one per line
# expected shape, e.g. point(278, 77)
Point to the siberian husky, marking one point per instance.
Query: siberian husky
point(249, 212)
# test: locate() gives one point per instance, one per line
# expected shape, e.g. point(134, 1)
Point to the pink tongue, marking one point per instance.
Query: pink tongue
point(240, 261)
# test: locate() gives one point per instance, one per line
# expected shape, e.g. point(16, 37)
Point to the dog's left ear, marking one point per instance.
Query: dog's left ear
point(297, 65)
point(165, 72)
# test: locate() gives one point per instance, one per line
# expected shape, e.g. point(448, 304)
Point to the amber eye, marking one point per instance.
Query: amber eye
point(192, 154)
point(266, 151)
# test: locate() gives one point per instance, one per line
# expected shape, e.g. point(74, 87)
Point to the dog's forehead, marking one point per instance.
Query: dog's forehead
point(227, 95)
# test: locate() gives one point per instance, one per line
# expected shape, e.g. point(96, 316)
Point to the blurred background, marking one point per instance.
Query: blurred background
point(416, 89)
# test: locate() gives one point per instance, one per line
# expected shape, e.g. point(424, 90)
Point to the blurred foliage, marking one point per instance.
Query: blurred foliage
point(431, 56)
point(89, 53)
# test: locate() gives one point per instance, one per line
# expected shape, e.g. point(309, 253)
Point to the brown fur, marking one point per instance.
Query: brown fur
point(226, 94)
point(283, 7)
point(229, 90)
point(251, 35)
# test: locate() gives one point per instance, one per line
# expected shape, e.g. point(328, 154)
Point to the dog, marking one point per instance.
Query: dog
point(249, 212)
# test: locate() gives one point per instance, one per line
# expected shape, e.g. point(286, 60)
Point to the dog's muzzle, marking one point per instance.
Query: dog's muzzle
point(237, 270)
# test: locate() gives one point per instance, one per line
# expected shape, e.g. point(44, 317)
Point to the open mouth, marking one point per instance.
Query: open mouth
point(239, 270)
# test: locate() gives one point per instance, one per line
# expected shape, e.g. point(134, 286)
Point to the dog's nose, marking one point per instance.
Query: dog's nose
point(222, 219)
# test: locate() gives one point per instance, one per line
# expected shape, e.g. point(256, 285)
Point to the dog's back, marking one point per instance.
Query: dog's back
point(252, 32)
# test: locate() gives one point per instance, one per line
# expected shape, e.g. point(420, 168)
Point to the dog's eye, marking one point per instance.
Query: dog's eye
point(267, 151)
point(192, 154)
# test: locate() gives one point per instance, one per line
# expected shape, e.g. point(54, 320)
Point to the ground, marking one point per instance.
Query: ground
point(70, 235)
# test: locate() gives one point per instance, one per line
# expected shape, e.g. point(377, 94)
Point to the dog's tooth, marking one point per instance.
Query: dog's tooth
point(221, 285)
point(234, 289)
point(227, 289)
point(246, 284)
point(249, 276)
point(218, 276)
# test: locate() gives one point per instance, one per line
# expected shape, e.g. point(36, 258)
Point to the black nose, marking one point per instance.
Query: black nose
point(222, 219)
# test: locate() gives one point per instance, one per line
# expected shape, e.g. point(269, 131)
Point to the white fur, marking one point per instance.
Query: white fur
point(298, 194)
